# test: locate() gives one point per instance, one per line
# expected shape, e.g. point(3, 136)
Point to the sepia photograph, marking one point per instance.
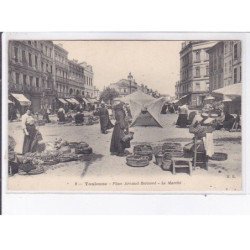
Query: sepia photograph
point(124, 115)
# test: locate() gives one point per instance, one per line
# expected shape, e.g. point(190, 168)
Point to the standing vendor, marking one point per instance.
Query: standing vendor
point(31, 135)
point(183, 116)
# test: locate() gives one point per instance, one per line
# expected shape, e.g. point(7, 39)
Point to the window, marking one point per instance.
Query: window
point(42, 47)
point(42, 66)
point(29, 42)
point(46, 53)
point(235, 75)
point(230, 66)
point(17, 78)
point(225, 68)
point(197, 71)
point(206, 56)
point(37, 82)
point(240, 73)
point(207, 70)
point(197, 56)
point(24, 80)
point(236, 51)
point(31, 80)
point(35, 43)
point(50, 68)
point(23, 56)
point(30, 60)
point(16, 54)
point(47, 66)
point(36, 62)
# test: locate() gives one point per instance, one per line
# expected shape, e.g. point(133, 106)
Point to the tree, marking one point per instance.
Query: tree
point(108, 95)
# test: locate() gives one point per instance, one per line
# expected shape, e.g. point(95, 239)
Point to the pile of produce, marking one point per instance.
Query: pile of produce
point(144, 150)
point(57, 152)
point(11, 147)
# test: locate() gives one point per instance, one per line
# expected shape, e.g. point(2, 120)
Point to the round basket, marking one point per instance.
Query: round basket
point(166, 165)
point(37, 170)
point(159, 158)
point(143, 149)
point(137, 161)
point(219, 157)
point(171, 146)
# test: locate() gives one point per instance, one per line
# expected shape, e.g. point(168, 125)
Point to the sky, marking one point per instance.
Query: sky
point(154, 63)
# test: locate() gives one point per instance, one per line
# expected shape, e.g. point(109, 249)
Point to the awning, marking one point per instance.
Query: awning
point(231, 90)
point(183, 97)
point(209, 98)
point(9, 102)
point(62, 101)
point(75, 101)
point(72, 101)
point(85, 100)
point(91, 100)
point(22, 99)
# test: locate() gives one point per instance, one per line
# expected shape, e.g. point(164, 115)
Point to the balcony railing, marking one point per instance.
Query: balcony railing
point(29, 89)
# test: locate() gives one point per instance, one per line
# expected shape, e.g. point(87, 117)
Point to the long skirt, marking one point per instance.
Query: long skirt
point(182, 120)
point(29, 140)
point(117, 146)
point(104, 123)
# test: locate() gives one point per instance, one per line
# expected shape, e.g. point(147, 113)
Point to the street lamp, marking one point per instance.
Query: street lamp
point(130, 77)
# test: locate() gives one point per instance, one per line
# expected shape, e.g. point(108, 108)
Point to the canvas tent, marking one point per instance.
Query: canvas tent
point(145, 109)
point(153, 114)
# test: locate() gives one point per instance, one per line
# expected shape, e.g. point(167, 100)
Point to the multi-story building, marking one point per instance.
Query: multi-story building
point(216, 66)
point(237, 74)
point(61, 71)
point(194, 71)
point(224, 64)
point(76, 78)
point(88, 79)
point(42, 72)
point(178, 90)
point(228, 63)
point(31, 72)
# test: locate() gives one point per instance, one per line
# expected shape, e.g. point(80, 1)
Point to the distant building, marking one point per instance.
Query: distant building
point(88, 79)
point(125, 86)
point(76, 79)
point(194, 71)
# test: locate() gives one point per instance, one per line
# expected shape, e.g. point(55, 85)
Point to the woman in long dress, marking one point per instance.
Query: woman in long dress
point(117, 146)
point(31, 135)
point(183, 116)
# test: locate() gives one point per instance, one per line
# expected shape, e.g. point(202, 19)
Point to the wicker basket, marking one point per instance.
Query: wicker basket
point(159, 158)
point(144, 150)
point(37, 170)
point(174, 146)
point(175, 153)
point(137, 161)
point(219, 157)
point(166, 164)
point(84, 150)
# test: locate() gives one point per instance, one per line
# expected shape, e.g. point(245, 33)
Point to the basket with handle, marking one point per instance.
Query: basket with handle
point(144, 150)
point(166, 161)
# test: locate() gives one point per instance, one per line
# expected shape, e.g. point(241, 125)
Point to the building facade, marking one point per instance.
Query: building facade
point(31, 72)
point(224, 64)
point(125, 86)
point(42, 72)
point(216, 66)
point(194, 71)
point(237, 72)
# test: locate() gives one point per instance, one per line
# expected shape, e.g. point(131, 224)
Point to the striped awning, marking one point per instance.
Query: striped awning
point(22, 99)
point(62, 101)
point(75, 101)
